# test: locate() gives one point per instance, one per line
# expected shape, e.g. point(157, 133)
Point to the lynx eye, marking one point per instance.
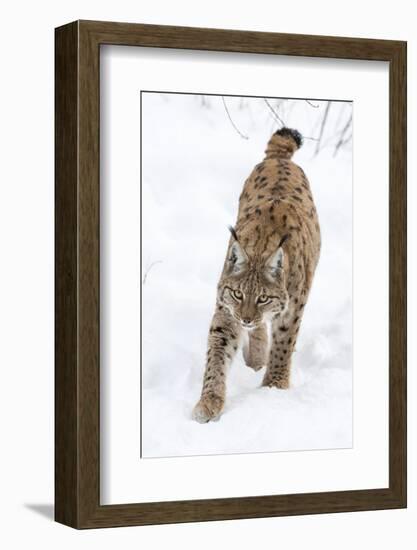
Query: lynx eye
point(262, 299)
point(237, 294)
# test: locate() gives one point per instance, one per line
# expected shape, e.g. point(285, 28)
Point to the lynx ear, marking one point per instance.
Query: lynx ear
point(237, 257)
point(275, 262)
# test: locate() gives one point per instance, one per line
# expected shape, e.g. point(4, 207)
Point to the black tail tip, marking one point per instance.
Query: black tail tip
point(295, 134)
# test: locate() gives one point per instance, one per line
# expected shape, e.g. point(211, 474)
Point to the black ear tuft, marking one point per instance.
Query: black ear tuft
point(283, 239)
point(295, 134)
point(233, 232)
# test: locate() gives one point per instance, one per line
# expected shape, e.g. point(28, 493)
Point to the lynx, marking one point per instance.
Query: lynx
point(267, 275)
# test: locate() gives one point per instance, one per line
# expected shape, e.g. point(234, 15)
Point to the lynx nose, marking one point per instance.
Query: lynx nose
point(246, 321)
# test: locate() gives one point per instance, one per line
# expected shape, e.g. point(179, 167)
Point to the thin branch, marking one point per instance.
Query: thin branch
point(276, 116)
point(323, 124)
point(333, 137)
point(342, 140)
point(340, 116)
point(347, 140)
point(231, 121)
point(312, 104)
point(149, 268)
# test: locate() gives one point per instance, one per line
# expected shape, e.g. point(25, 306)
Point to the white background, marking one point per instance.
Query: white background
point(26, 299)
point(125, 478)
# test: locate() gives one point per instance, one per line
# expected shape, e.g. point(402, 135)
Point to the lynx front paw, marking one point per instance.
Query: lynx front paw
point(208, 408)
point(255, 361)
point(255, 366)
point(280, 383)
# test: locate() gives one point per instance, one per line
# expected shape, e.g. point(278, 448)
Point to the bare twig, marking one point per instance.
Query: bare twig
point(333, 137)
point(149, 268)
point(275, 114)
point(347, 140)
point(340, 116)
point(342, 139)
point(231, 121)
point(312, 104)
point(323, 124)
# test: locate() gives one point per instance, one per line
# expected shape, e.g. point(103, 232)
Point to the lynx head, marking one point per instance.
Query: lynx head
point(253, 291)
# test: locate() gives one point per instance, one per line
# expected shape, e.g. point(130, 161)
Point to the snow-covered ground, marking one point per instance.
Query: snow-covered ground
point(193, 166)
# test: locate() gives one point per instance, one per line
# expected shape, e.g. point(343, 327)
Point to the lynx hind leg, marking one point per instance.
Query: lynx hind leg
point(255, 349)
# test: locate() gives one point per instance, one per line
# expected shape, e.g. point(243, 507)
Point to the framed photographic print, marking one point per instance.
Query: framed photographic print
point(230, 274)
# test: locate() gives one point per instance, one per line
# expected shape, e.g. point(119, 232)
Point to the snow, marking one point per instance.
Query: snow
point(193, 167)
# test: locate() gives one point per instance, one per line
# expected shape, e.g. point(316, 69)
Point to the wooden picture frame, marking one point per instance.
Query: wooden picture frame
point(77, 372)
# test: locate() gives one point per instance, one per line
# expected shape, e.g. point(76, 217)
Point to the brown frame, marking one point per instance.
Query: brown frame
point(77, 404)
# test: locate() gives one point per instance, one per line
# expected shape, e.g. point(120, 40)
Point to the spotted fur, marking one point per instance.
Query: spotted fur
point(267, 275)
